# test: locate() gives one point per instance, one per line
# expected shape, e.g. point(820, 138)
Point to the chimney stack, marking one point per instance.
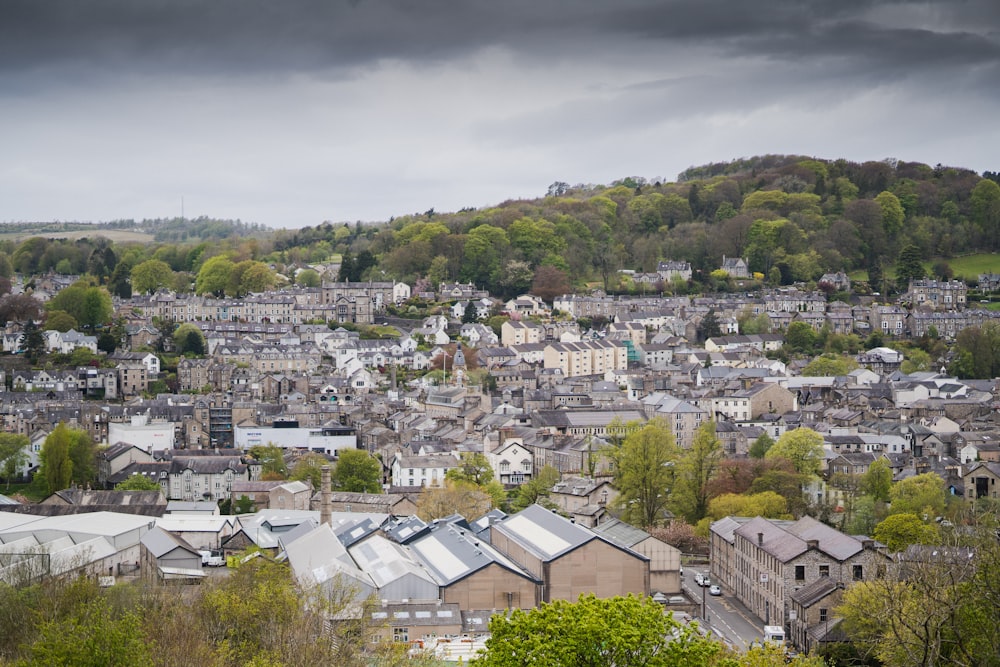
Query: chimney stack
point(324, 504)
point(760, 539)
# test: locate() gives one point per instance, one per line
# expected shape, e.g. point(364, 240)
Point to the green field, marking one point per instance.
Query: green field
point(967, 267)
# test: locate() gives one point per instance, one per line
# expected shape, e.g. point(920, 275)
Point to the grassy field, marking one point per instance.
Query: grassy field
point(967, 267)
point(114, 235)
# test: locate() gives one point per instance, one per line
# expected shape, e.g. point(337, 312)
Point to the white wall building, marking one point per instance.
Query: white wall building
point(328, 440)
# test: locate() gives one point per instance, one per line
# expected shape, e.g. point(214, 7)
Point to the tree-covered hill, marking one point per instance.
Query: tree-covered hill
point(792, 217)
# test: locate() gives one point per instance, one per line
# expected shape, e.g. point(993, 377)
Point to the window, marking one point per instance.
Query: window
point(800, 573)
point(400, 634)
point(824, 570)
point(858, 573)
point(822, 616)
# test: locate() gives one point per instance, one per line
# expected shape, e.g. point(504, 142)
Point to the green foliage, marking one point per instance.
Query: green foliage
point(760, 446)
point(767, 504)
point(830, 365)
point(473, 468)
point(644, 472)
point(920, 495)
point(800, 337)
point(137, 482)
point(188, 338)
point(695, 470)
point(32, 341)
point(67, 456)
point(151, 275)
point(89, 304)
point(357, 471)
point(213, 276)
point(272, 461)
point(877, 481)
point(309, 468)
point(60, 320)
point(977, 352)
point(308, 278)
point(593, 631)
point(536, 490)
point(898, 531)
point(13, 454)
point(909, 266)
point(803, 447)
point(92, 635)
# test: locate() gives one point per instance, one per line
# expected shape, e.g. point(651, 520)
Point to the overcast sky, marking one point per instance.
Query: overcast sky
point(293, 112)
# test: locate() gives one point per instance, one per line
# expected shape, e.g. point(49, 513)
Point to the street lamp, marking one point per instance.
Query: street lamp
point(704, 606)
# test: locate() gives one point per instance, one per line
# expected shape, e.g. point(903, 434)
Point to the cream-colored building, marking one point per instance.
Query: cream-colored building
point(586, 357)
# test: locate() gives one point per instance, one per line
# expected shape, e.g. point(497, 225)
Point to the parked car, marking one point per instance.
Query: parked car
point(702, 579)
point(714, 590)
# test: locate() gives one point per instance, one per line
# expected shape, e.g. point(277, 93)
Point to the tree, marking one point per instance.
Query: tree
point(892, 213)
point(151, 275)
point(137, 482)
point(830, 365)
point(536, 490)
point(32, 341)
point(213, 276)
point(977, 352)
point(877, 481)
point(357, 472)
point(473, 468)
point(899, 531)
point(644, 472)
point(594, 631)
point(19, 308)
point(921, 495)
point(985, 201)
point(695, 470)
point(13, 454)
point(308, 278)
point(462, 498)
point(767, 504)
point(60, 320)
point(550, 282)
point(272, 460)
point(803, 447)
point(189, 338)
point(93, 634)
point(67, 456)
point(469, 315)
point(709, 326)
point(309, 468)
point(800, 337)
point(909, 266)
point(760, 446)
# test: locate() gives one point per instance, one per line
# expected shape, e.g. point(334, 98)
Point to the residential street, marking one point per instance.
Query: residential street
point(727, 618)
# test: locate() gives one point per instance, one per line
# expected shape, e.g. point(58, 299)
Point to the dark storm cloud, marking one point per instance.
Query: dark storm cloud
point(233, 36)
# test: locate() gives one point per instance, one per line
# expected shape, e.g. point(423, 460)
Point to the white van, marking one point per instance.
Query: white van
point(702, 579)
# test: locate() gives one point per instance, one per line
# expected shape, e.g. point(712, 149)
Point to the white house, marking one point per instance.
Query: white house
point(421, 470)
point(512, 462)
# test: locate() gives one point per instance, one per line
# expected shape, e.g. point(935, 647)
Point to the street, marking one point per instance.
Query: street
point(728, 619)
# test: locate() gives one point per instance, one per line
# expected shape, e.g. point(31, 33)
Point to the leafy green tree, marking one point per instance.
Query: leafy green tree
point(213, 276)
point(357, 471)
point(484, 248)
point(469, 313)
point(899, 531)
point(696, 468)
point(892, 212)
point(151, 275)
point(469, 500)
point(91, 635)
point(767, 504)
point(644, 472)
point(760, 446)
point(474, 468)
point(916, 360)
point(189, 338)
point(977, 352)
point(137, 482)
point(909, 266)
point(920, 495)
point(709, 326)
point(272, 461)
point(13, 454)
point(595, 631)
point(536, 490)
point(308, 278)
point(309, 468)
point(67, 456)
point(877, 481)
point(985, 199)
point(830, 365)
point(800, 337)
point(60, 320)
point(803, 447)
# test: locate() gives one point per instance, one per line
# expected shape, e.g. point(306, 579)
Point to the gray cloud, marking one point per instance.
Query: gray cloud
point(297, 111)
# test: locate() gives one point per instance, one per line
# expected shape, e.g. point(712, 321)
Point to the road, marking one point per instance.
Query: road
point(727, 617)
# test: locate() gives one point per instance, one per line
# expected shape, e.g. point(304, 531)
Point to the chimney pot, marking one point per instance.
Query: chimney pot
point(760, 539)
